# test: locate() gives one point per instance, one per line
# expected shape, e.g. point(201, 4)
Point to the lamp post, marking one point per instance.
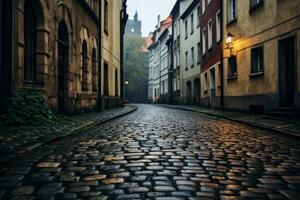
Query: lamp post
point(229, 42)
point(126, 89)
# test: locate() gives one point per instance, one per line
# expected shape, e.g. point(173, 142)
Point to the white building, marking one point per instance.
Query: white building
point(190, 51)
point(158, 62)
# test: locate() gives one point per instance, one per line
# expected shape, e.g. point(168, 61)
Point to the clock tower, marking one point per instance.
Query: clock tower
point(134, 27)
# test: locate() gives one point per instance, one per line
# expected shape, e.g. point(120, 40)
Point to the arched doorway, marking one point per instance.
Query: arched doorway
point(5, 53)
point(189, 92)
point(63, 60)
point(196, 92)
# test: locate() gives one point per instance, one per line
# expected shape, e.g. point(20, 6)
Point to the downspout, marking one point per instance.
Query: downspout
point(222, 61)
point(99, 103)
point(123, 21)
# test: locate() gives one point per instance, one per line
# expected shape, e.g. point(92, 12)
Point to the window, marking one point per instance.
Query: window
point(232, 71)
point(116, 83)
point(209, 34)
point(186, 29)
point(186, 60)
point(203, 6)
point(198, 15)
point(94, 70)
point(218, 26)
point(257, 60)
point(30, 42)
point(192, 56)
point(206, 83)
point(255, 3)
point(203, 41)
point(232, 10)
point(192, 23)
point(84, 66)
point(106, 16)
point(198, 52)
point(106, 79)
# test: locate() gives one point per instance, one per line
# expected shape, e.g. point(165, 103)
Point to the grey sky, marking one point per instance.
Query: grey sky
point(148, 11)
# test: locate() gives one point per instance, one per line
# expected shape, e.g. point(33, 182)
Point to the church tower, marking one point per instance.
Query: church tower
point(134, 27)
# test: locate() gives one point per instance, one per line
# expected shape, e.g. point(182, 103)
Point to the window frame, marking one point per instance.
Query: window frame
point(186, 60)
point(192, 23)
point(218, 26)
point(258, 4)
point(193, 57)
point(106, 16)
point(186, 28)
point(203, 3)
point(209, 34)
point(232, 74)
point(257, 60)
point(204, 49)
point(232, 16)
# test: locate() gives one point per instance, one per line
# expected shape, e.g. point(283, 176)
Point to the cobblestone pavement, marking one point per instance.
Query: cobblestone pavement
point(159, 153)
point(19, 139)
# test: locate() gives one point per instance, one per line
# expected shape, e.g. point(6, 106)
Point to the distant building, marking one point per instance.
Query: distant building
point(134, 27)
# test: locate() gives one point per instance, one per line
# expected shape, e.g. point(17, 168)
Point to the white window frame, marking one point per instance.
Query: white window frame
point(218, 26)
point(203, 6)
point(186, 60)
point(209, 34)
point(203, 41)
point(232, 13)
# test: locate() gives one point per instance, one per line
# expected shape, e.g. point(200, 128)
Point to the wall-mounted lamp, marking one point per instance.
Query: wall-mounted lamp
point(126, 82)
point(229, 42)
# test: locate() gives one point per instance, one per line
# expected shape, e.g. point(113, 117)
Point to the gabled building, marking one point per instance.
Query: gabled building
point(261, 55)
point(211, 43)
point(158, 62)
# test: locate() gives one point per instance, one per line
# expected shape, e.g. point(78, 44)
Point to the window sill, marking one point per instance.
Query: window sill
point(256, 6)
point(256, 74)
point(232, 78)
point(232, 22)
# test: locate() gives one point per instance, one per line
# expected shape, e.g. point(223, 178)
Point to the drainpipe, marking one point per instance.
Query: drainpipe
point(222, 61)
point(123, 21)
point(99, 102)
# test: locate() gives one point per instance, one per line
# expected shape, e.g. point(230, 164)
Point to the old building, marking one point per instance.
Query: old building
point(111, 54)
point(190, 51)
point(53, 47)
point(260, 55)
point(159, 62)
point(175, 90)
point(134, 27)
point(211, 42)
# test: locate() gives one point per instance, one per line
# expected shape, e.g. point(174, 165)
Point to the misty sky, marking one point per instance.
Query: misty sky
point(148, 11)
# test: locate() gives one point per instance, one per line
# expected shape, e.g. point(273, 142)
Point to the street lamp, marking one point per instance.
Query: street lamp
point(126, 89)
point(126, 82)
point(229, 42)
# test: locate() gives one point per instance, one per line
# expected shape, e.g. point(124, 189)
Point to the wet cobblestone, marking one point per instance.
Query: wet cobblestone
point(159, 153)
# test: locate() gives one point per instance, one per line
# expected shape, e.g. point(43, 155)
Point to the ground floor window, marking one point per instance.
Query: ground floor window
point(232, 68)
point(257, 60)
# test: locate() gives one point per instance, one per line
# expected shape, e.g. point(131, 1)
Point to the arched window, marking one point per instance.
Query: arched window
point(94, 69)
point(30, 42)
point(84, 66)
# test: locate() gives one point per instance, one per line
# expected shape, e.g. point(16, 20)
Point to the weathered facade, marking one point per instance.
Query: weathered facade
point(262, 65)
point(54, 50)
point(111, 37)
point(211, 40)
point(190, 52)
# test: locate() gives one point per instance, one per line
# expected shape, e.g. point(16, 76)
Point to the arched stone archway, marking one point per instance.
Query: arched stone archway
point(66, 86)
point(63, 65)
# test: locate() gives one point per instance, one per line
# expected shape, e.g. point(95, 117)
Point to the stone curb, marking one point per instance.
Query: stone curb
point(267, 128)
point(60, 137)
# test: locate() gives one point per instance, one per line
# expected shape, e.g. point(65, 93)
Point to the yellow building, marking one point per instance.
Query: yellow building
point(113, 12)
point(261, 56)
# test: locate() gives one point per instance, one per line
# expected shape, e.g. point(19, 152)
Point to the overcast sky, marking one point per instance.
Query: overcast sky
point(148, 11)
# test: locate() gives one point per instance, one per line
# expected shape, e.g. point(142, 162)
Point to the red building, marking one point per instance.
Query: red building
point(211, 66)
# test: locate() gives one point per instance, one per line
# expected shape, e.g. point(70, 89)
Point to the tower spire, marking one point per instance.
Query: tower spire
point(136, 16)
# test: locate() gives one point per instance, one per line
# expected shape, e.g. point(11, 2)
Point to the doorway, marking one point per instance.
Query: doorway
point(5, 53)
point(63, 60)
point(287, 72)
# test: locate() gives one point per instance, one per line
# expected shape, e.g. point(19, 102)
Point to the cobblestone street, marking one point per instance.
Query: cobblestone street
point(159, 153)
